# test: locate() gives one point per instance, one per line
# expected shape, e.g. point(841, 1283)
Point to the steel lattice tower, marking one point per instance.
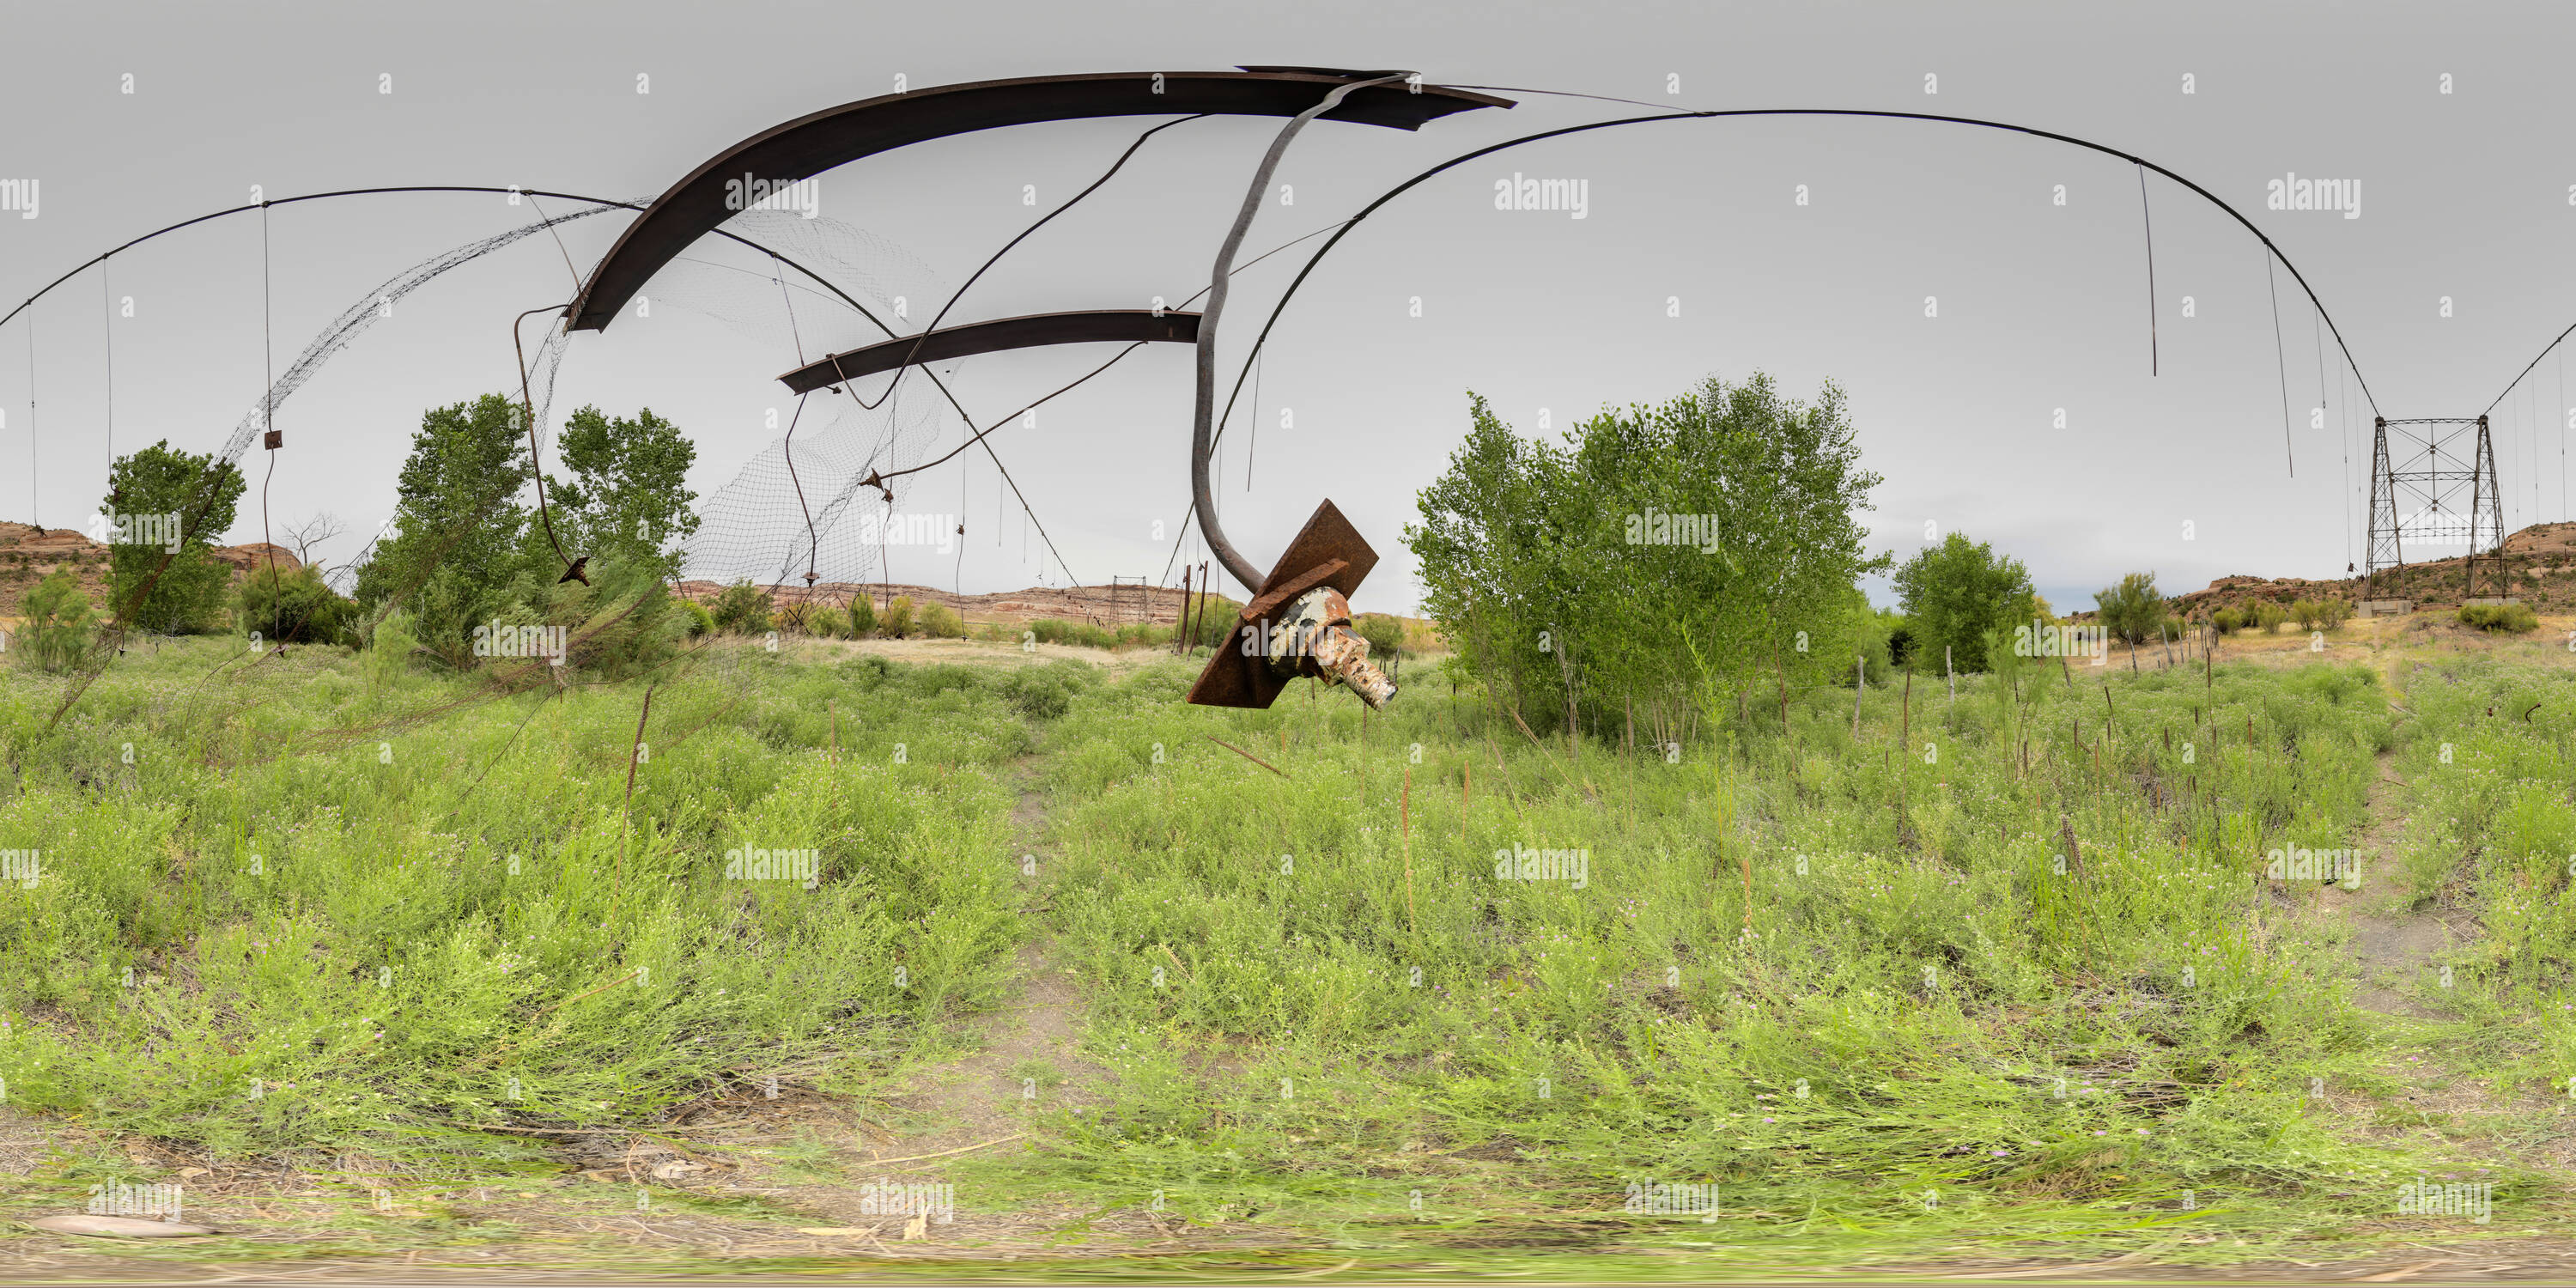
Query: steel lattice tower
point(2415, 474)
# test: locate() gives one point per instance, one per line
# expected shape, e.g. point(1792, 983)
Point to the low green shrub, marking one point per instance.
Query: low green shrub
point(2513, 618)
point(742, 609)
point(1046, 692)
point(1052, 631)
point(294, 606)
point(62, 627)
point(1212, 620)
point(940, 622)
point(700, 621)
point(389, 650)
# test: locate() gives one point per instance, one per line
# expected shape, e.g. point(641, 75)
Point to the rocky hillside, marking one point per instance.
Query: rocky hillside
point(30, 554)
point(2539, 565)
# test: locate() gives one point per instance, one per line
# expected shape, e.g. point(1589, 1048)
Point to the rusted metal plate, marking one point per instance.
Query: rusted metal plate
point(1234, 680)
point(1031, 331)
point(809, 145)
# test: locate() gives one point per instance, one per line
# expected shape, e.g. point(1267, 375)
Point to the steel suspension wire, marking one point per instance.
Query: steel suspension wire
point(2282, 362)
point(268, 391)
point(2343, 408)
point(727, 234)
point(573, 568)
point(960, 292)
point(107, 336)
point(2317, 339)
point(1488, 150)
point(1004, 475)
point(32, 491)
point(942, 386)
point(2545, 351)
point(787, 446)
point(557, 234)
point(2146, 222)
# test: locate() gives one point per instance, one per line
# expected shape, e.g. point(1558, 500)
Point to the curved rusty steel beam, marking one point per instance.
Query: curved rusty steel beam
point(1123, 326)
point(810, 145)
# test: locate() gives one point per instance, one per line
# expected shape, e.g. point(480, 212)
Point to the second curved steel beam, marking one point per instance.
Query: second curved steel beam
point(1124, 326)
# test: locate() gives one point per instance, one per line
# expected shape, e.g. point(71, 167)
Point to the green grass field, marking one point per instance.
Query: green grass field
point(1993, 979)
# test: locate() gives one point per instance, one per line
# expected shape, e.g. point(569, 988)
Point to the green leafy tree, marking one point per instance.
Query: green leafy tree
point(454, 549)
point(1953, 593)
point(187, 588)
point(2131, 611)
point(1654, 561)
point(627, 500)
point(1385, 636)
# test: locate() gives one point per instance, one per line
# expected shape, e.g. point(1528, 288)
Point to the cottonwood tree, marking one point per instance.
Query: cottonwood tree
point(1546, 565)
point(188, 593)
point(1954, 593)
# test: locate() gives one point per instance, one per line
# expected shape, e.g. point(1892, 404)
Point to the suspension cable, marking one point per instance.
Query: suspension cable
point(572, 567)
point(269, 438)
point(1203, 406)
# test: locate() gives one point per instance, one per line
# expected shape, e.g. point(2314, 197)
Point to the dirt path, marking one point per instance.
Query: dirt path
point(2396, 948)
point(1026, 1045)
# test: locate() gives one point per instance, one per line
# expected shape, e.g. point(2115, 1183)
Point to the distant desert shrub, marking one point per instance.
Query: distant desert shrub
point(701, 622)
point(940, 622)
point(2513, 618)
point(742, 609)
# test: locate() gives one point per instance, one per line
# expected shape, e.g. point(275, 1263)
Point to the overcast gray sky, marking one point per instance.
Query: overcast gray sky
point(2467, 197)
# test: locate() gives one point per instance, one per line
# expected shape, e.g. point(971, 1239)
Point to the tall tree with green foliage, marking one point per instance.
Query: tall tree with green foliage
point(1658, 559)
point(1954, 593)
point(2133, 610)
point(628, 499)
point(453, 549)
point(160, 482)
